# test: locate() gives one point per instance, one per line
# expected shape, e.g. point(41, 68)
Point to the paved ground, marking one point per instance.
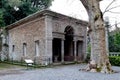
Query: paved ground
point(68, 72)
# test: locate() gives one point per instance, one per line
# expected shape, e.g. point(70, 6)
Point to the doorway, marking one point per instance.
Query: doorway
point(56, 50)
point(80, 55)
point(68, 44)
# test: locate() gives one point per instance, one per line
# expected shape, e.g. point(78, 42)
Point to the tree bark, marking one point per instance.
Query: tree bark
point(97, 35)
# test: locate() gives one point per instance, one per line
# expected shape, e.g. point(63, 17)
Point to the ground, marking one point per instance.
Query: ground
point(65, 72)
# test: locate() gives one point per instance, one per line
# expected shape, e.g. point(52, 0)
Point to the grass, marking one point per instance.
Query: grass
point(12, 65)
point(7, 66)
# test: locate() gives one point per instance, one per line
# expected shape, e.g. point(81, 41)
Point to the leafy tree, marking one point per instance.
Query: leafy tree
point(1, 19)
point(11, 14)
point(42, 4)
point(117, 39)
point(111, 44)
point(114, 42)
point(14, 10)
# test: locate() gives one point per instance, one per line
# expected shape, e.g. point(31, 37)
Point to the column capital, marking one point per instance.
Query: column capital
point(75, 40)
point(62, 39)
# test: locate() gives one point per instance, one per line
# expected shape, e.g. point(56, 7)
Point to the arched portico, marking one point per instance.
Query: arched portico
point(68, 44)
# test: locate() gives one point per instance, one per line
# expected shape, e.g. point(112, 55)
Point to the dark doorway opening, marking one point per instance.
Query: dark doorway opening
point(68, 45)
point(80, 56)
point(56, 50)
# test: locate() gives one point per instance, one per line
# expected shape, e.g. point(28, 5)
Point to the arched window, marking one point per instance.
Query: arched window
point(69, 32)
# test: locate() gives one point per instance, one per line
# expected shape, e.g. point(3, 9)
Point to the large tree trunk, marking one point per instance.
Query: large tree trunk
point(97, 35)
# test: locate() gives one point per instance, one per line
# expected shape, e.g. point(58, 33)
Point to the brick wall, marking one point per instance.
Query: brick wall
point(28, 33)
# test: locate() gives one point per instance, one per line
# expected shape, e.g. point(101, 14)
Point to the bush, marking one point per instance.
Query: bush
point(87, 58)
point(115, 60)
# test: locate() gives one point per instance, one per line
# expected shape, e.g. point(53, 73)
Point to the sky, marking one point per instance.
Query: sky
point(75, 9)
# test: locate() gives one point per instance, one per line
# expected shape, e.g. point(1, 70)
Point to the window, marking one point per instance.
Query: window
point(24, 49)
point(37, 48)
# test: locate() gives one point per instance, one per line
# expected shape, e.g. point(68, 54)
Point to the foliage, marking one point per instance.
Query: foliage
point(13, 3)
point(111, 44)
point(11, 15)
point(117, 39)
point(87, 58)
point(115, 60)
point(89, 48)
point(42, 4)
point(1, 19)
point(114, 42)
point(88, 53)
point(14, 10)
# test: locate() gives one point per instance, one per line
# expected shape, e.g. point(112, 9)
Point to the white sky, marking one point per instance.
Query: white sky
point(75, 9)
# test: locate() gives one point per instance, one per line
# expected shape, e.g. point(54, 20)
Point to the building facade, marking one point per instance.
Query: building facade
point(47, 37)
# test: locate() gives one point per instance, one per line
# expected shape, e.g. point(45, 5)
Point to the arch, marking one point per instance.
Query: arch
point(69, 30)
point(68, 44)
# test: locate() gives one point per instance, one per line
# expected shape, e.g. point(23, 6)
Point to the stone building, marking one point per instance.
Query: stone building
point(47, 37)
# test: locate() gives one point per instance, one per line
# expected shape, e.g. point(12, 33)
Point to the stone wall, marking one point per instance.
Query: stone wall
point(28, 33)
point(80, 30)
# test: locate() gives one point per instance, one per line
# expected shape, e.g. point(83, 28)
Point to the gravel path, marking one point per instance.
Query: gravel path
point(68, 72)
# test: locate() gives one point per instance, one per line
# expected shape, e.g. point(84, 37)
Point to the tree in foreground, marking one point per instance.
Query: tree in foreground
point(97, 36)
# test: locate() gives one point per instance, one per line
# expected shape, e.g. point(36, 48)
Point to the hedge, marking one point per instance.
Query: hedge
point(115, 60)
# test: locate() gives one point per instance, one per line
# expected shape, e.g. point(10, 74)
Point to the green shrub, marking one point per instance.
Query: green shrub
point(87, 58)
point(115, 60)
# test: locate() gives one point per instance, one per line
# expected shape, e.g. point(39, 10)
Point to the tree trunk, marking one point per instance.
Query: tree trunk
point(97, 35)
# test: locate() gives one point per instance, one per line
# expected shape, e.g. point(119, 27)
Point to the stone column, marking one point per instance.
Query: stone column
point(75, 50)
point(48, 52)
point(48, 39)
point(62, 50)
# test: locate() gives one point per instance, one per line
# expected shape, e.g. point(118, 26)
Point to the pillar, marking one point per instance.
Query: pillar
point(75, 50)
point(48, 38)
point(62, 50)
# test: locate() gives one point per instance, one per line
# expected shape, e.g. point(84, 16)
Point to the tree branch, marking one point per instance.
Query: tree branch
point(108, 6)
point(114, 12)
point(112, 8)
point(115, 24)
